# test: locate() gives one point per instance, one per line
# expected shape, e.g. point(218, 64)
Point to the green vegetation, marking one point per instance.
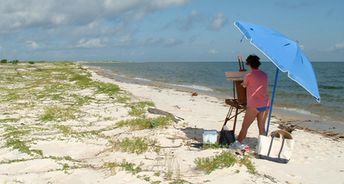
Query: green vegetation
point(14, 61)
point(82, 80)
point(155, 182)
point(209, 164)
point(13, 132)
point(56, 113)
point(213, 146)
point(107, 88)
point(249, 165)
point(122, 98)
point(46, 95)
point(3, 61)
point(19, 145)
point(65, 168)
point(135, 145)
point(12, 137)
point(223, 160)
point(7, 120)
point(144, 123)
point(178, 181)
point(66, 130)
point(138, 109)
point(124, 165)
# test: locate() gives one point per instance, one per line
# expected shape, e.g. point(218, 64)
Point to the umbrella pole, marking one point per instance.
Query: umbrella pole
point(272, 100)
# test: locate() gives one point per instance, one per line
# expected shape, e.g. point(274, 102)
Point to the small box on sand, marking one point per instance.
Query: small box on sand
point(209, 136)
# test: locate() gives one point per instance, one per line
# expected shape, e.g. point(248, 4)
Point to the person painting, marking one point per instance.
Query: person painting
point(256, 84)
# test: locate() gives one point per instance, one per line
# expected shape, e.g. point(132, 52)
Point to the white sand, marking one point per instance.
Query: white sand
point(316, 159)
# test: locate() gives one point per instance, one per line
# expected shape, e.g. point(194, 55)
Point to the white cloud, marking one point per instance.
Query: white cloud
point(32, 44)
point(186, 23)
point(213, 51)
point(218, 21)
point(91, 43)
point(164, 42)
point(339, 45)
point(17, 14)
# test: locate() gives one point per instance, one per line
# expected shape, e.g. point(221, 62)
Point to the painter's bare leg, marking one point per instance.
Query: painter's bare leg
point(261, 119)
point(250, 115)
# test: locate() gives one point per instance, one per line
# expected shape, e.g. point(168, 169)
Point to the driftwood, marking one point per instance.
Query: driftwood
point(161, 112)
point(194, 94)
point(287, 127)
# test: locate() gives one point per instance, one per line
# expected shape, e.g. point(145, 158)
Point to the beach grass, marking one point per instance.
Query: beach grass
point(50, 92)
point(107, 88)
point(138, 109)
point(224, 160)
point(57, 113)
point(246, 161)
point(178, 181)
point(136, 145)
point(124, 165)
point(209, 164)
point(145, 123)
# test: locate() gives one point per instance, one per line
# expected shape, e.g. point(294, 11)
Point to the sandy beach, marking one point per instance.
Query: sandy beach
point(67, 123)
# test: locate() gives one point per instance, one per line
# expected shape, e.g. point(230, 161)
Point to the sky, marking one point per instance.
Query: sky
point(162, 30)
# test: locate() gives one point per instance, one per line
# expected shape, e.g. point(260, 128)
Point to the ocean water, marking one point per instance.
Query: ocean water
point(209, 78)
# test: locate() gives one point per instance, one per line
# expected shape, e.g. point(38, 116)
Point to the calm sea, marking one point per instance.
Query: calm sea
point(208, 77)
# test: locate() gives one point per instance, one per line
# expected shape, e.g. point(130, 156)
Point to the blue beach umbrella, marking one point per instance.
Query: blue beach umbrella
point(285, 54)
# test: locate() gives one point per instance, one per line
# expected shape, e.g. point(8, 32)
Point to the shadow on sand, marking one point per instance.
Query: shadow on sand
point(196, 134)
point(251, 141)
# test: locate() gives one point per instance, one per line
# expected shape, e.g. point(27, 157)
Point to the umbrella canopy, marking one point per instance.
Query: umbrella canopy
point(284, 53)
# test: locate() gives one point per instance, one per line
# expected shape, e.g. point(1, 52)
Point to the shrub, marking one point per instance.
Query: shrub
point(3, 61)
point(14, 62)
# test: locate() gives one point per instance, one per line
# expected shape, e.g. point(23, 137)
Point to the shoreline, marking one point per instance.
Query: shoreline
point(309, 122)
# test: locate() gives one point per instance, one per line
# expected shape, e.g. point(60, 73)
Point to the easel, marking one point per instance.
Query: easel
point(237, 104)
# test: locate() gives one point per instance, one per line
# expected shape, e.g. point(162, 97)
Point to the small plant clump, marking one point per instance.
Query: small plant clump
point(178, 181)
point(213, 146)
point(12, 140)
point(145, 123)
point(21, 146)
point(138, 109)
point(135, 145)
point(56, 113)
point(124, 165)
point(83, 81)
point(249, 165)
point(107, 88)
point(223, 160)
point(209, 164)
